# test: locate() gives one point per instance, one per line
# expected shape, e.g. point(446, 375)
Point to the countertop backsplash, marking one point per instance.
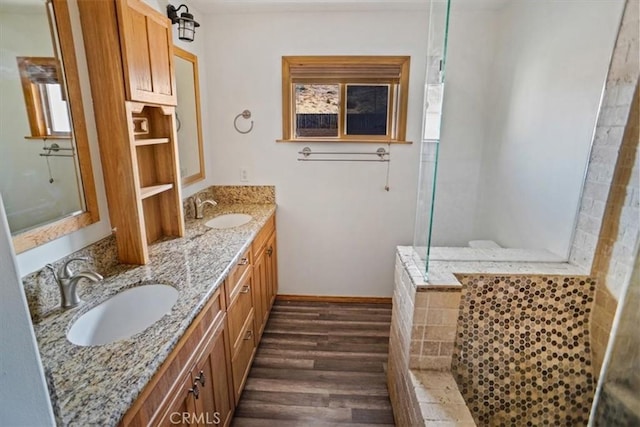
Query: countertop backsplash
point(43, 296)
point(41, 289)
point(233, 194)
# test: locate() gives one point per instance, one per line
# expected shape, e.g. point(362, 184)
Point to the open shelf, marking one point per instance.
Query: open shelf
point(150, 141)
point(152, 190)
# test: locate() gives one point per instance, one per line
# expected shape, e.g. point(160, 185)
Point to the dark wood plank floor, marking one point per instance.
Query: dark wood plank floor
point(320, 364)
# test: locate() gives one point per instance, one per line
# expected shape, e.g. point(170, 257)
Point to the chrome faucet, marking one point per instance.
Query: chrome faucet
point(199, 205)
point(68, 281)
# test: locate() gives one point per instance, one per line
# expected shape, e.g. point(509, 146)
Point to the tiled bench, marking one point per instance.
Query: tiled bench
point(441, 404)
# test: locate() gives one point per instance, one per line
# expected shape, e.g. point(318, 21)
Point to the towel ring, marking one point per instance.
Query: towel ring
point(246, 114)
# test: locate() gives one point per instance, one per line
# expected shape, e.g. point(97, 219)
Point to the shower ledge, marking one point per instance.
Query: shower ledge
point(442, 273)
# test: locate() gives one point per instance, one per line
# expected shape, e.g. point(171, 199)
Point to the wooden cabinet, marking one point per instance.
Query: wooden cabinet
point(203, 347)
point(241, 314)
point(202, 379)
point(212, 377)
point(271, 251)
point(260, 289)
point(138, 143)
point(154, 152)
point(242, 356)
point(265, 273)
point(180, 402)
point(146, 45)
point(202, 396)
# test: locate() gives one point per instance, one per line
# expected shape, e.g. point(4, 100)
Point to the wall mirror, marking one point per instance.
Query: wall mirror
point(188, 122)
point(46, 179)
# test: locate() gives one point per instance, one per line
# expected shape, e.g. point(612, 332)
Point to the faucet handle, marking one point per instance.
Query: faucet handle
point(53, 270)
point(65, 271)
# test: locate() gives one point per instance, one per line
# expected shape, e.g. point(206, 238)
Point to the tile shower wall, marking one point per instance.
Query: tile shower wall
point(398, 375)
point(611, 263)
point(616, 106)
point(618, 235)
point(423, 326)
point(522, 352)
point(434, 328)
point(607, 229)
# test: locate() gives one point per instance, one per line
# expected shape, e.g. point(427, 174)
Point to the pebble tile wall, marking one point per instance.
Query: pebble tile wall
point(522, 351)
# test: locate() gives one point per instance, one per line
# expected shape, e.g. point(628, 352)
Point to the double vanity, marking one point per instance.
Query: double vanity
point(211, 292)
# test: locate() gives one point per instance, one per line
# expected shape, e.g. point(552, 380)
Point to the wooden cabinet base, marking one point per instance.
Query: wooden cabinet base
point(202, 380)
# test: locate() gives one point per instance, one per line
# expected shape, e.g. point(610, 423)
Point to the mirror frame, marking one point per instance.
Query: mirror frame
point(53, 230)
point(190, 57)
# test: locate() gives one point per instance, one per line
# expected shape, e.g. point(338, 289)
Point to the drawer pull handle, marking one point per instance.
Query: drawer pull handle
point(269, 250)
point(245, 289)
point(195, 390)
point(248, 335)
point(243, 261)
point(201, 378)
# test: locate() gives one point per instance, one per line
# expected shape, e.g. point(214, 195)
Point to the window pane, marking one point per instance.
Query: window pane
point(367, 108)
point(58, 112)
point(317, 108)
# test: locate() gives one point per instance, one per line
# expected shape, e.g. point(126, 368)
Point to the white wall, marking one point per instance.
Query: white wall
point(548, 79)
point(24, 399)
point(470, 58)
point(337, 226)
point(523, 85)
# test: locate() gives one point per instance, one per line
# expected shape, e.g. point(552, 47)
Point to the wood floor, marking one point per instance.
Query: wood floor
point(320, 364)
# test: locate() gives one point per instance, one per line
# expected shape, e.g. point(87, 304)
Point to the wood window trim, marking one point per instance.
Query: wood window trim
point(393, 70)
point(33, 97)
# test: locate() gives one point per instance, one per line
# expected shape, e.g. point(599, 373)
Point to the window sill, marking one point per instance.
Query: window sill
point(334, 140)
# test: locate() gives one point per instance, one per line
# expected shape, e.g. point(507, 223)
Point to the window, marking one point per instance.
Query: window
point(344, 98)
point(44, 97)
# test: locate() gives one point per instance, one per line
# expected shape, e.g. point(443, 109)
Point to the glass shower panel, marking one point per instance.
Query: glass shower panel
point(511, 142)
point(433, 98)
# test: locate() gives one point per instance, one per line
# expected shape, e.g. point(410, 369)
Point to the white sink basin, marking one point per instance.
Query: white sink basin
point(228, 221)
point(123, 315)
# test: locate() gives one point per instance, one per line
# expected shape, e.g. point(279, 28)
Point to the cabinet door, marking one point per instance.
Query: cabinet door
point(147, 52)
point(181, 409)
point(261, 297)
point(212, 374)
point(242, 357)
point(271, 251)
point(240, 308)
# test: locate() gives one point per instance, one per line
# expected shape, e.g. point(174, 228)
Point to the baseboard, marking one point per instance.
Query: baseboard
point(322, 298)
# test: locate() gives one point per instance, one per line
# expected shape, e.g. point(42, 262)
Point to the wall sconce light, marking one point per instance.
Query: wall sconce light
point(186, 24)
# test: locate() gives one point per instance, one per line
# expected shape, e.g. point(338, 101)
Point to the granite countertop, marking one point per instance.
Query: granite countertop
point(97, 385)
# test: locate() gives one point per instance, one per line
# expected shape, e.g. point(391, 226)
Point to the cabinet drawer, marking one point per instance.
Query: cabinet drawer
point(242, 357)
point(240, 308)
point(263, 235)
point(233, 283)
